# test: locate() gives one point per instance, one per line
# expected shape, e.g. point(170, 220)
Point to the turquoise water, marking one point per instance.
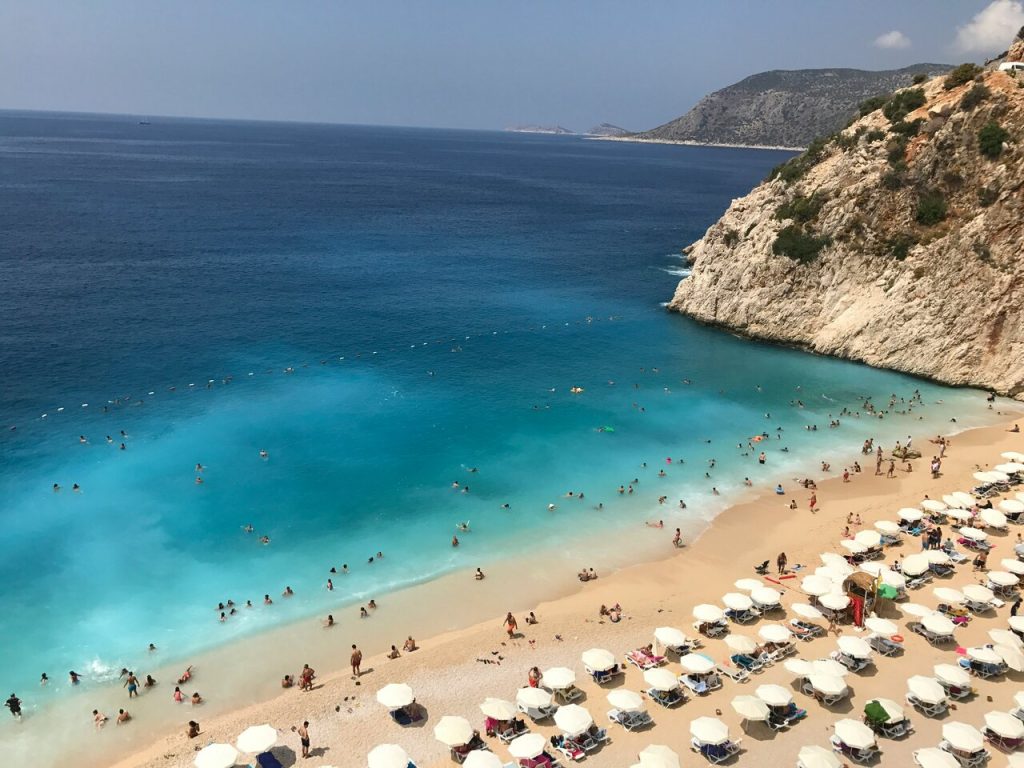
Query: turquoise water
point(381, 311)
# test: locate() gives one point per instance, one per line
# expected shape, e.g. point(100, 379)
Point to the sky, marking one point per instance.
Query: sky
point(457, 63)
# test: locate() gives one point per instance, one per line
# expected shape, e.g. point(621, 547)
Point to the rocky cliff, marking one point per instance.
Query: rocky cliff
point(898, 241)
point(783, 108)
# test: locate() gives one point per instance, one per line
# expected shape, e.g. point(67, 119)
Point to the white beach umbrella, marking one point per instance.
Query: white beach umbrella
point(1011, 506)
point(916, 610)
point(499, 709)
point(951, 675)
point(948, 595)
point(1012, 456)
point(1018, 699)
point(813, 756)
point(953, 502)
point(914, 565)
point(658, 756)
point(1005, 637)
point(1009, 468)
point(598, 659)
point(482, 758)
point(880, 626)
point(983, 654)
point(927, 689)
point(829, 667)
point(527, 746)
point(750, 708)
point(708, 613)
point(626, 701)
point(964, 499)
point(961, 515)
point(1003, 578)
point(893, 579)
point(887, 526)
point(1011, 655)
point(395, 695)
point(834, 560)
point(936, 556)
point(805, 611)
point(216, 756)
point(833, 574)
point(985, 477)
point(799, 667)
point(978, 593)
point(709, 730)
point(933, 505)
point(745, 585)
point(534, 698)
point(736, 601)
point(854, 646)
point(910, 515)
point(963, 737)
point(558, 678)
point(993, 518)
point(868, 538)
point(937, 623)
point(572, 719)
point(660, 679)
point(829, 685)
point(774, 695)
point(774, 633)
point(256, 739)
point(1004, 724)
point(834, 602)
point(388, 756)
point(854, 733)
point(933, 757)
point(453, 731)
point(670, 637)
point(766, 596)
point(696, 664)
point(816, 585)
point(740, 643)
point(1016, 623)
point(892, 708)
point(872, 567)
point(998, 477)
point(853, 546)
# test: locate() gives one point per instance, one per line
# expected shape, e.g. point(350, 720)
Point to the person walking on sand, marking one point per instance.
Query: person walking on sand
point(304, 737)
point(814, 502)
point(781, 561)
point(14, 704)
point(892, 469)
point(356, 660)
point(510, 625)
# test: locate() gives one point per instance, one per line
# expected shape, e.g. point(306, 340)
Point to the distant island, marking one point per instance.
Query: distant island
point(607, 129)
point(552, 129)
point(782, 108)
point(601, 130)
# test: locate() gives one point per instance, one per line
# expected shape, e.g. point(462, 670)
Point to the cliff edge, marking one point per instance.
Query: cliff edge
point(898, 241)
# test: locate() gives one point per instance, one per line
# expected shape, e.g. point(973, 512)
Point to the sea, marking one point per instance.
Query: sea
point(238, 354)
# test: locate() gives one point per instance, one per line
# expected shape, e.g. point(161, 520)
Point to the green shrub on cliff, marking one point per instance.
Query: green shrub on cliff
point(800, 208)
point(991, 138)
point(978, 93)
point(868, 106)
point(931, 207)
point(960, 75)
point(903, 103)
point(793, 243)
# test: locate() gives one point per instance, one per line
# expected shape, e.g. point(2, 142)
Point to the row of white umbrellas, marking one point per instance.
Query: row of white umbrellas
point(253, 740)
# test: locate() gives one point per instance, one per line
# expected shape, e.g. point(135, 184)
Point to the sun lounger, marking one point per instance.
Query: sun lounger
point(711, 628)
point(966, 759)
point(827, 700)
point(537, 713)
point(631, 721)
point(1006, 590)
point(979, 669)
point(741, 617)
point(941, 570)
point(777, 722)
point(643, 660)
point(932, 637)
point(602, 676)
point(955, 691)
point(852, 663)
point(976, 606)
point(515, 728)
point(811, 630)
point(567, 695)
point(735, 673)
point(268, 760)
point(593, 738)
point(917, 582)
point(781, 652)
point(862, 756)
point(667, 698)
point(715, 753)
point(885, 646)
point(544, 760)
point(744, 663)
point(568, 748)
point(459, 754)
point(696, 684)
point(1001, 742)
point(936, 709)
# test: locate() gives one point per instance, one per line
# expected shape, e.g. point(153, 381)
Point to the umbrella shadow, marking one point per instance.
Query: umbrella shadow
point(285, 756)
point(759, 731)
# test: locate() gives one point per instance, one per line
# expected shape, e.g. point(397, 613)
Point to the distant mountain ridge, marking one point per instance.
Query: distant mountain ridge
point(555, 129)
point(784, 108)
point(607, 129)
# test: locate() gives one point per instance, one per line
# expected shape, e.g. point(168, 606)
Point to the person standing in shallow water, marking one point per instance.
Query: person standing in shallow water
point(356, 660)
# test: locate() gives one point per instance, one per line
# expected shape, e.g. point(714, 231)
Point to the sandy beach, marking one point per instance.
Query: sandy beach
point(464, 655)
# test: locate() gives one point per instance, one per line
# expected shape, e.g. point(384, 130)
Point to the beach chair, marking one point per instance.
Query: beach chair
point(740, 617)
point(1006, 590)
point(567, 748)
point(932, 637)
point(781, 652)
point(776, 721)
point(715, 753)
point(459, 754)
point(695, 683)
point(711, 628)
point(631, 721)
point(537, 713)
point(567, 695)
point(593, 738)
point(936, 709)
point(1000, 742)
point(917, 582)
point(543, 760)
point(640, 659)
point(982, 670)
point(602, 676)
point(862, 756)
point(966, 759)
point(827, 700)
point(976, 606)
point(744, 663)
point(667, 699)
point(852, 663)
point(942, 570)
point(407, 715)
point(807, 630)
point(735, 673)
point(515, 728)
point(268, 760)
point(885, 646)
point(955, 691)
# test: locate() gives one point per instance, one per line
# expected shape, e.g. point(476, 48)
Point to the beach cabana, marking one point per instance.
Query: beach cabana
point(1004, 730)
point(1011, 506)
point(854, 739)
point(499, 709)
point(561, 681)
point(816, 586)
point(766, 599)
point(886, 718)
point(572, 720)
point(954, 680)
point(774, 695)
point(1011, 656)
point(739, 607)
point(388, 756)
point(663, 687)
point(747, 585)
point(778, 636)
point(965, 742)
point(977, 598)
point(395, 695)
point(826, 688)
point(1002, 582)
point(933, 505)
point(854, 653)
point(926, 695)
point(910, 515)
point(216, 756)
point(993, 518)
point(813, 756)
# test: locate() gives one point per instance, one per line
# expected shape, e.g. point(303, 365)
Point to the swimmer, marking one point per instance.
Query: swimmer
point(56, 488)
point(455, 541)
point(329, 622)
point(551, 507)
point(287, 592)
point(76, 487)
point(267, 600)
point(464, 527)
point(74, 677)
point(659, 524)
point(199, 467)
point(264, 539)
point(330, 585)
point(264, 454)
point(479, 575)
point(362, 612)
point(82, 440)
point(372, 603)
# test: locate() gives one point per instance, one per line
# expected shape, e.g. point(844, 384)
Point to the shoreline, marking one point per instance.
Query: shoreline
point(445, 643)
point(688, 143)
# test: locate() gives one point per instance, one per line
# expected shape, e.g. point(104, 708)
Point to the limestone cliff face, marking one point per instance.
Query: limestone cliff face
point(900, 248)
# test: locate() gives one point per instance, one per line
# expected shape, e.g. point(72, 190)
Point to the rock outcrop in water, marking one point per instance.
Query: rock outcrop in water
point(783, 108)
point(898, 241)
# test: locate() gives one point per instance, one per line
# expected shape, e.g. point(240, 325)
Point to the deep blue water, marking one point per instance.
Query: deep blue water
point(380, 310)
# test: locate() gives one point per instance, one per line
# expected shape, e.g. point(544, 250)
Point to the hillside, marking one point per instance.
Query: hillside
point(607, 129)
point(783, 108)
point(897, 241)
